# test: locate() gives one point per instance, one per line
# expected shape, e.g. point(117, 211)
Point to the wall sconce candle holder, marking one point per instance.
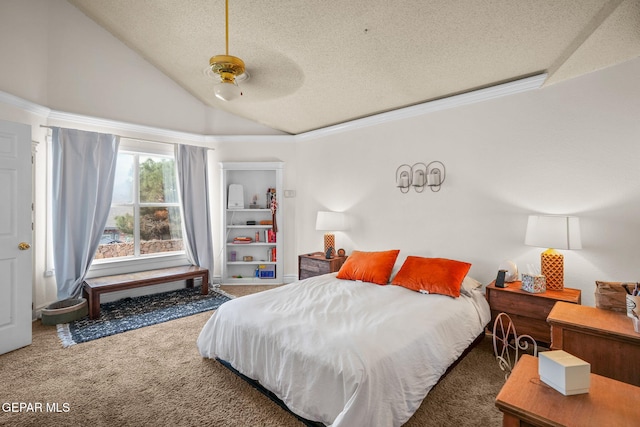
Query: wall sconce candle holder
point(419, 176)
point(436, 173)
point(404, 178)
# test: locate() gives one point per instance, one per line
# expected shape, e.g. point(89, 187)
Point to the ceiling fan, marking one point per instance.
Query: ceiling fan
point(227, 69)
point(273, 74)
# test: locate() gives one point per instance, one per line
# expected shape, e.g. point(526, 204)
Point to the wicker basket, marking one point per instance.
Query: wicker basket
point(65, 311)
point(611, 296)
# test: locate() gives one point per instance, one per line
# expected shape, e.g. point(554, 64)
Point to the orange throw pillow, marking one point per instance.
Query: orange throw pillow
point(433, 275)
point(374, 267)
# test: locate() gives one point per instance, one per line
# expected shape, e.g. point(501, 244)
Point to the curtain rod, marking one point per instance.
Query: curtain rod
point(126, 137)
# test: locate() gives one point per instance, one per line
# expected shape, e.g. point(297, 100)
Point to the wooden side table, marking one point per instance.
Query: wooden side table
point(528, 311)
point(526, 401)
point(315, 264)
point(604, 338)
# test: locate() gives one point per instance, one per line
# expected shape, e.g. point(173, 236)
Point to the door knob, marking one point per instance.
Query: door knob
point(23, 246)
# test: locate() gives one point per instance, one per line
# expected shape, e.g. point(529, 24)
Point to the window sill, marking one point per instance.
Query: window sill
point(108, 267)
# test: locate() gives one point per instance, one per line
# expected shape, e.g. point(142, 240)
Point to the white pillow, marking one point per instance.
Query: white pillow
point(468, 285)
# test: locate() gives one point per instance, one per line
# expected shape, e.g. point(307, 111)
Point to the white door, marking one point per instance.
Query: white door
point(15, 236)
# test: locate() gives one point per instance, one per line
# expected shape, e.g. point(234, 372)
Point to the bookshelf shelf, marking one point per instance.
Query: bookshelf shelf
point(254, 179)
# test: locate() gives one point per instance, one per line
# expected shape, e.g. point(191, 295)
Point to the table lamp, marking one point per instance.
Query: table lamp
point(553, 232)
point(330, 222)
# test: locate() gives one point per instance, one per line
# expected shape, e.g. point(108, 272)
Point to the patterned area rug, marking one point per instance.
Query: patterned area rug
point(133, 313)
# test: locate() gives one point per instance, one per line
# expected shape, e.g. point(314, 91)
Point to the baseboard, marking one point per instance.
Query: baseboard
point(285, 279)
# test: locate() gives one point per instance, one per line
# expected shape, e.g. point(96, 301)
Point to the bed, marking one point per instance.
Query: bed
point(346, 352)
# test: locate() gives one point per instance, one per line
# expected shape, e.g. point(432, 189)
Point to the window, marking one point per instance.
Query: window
point(145, 214)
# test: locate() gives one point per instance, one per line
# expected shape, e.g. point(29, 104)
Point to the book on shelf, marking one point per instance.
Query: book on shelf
point(269, 236)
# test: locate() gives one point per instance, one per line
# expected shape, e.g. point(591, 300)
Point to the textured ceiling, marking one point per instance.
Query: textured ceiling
point(315, 64)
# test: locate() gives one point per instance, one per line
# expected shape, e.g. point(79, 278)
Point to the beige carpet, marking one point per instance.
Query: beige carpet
point(154, 376)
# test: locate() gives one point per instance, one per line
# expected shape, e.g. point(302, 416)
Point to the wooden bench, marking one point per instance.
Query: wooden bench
point(94, 287)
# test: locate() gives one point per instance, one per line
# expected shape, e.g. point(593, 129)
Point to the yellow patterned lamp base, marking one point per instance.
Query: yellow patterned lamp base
point(329, 242)
point(552, 263)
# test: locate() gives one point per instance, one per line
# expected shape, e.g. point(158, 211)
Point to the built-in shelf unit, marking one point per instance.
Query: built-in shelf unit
point(252, 252)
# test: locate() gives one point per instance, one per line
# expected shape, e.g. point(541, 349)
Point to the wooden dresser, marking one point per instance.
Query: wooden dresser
point(526, 401)
point(528, 311)
point(316, 263)
point(604, 338)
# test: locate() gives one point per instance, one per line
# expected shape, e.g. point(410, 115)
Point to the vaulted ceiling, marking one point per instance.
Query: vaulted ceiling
point(314, 64)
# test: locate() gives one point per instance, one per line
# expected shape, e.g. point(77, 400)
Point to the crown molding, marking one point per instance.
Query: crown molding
point(23, 104)
point(493, 92)
point(125, 127)
point(467, 98)
point(213, 139)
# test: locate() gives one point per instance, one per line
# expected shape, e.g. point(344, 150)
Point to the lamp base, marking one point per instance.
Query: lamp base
point(552, 263)
point(329, 241)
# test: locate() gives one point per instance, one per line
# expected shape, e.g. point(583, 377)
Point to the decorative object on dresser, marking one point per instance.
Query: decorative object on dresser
point(528, 311)
point(553, 232)
point(564, 372)
point(534, 283)
point(633, 300)
point(511, 270)
point(330, 222)
point(526, 401)
point(315, 264)
point(500, 282)
point(606, 339)
point(611, 295)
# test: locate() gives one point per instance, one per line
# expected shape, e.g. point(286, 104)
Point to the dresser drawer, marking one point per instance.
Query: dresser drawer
point(524, 305)
point(528, 311)
point(316, 264)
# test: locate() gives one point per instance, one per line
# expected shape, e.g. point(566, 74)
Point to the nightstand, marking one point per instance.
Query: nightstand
point(528, 311)
point(315, 264)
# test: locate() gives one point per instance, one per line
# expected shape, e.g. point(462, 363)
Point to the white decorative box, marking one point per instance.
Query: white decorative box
point(564, 372)
point(534, 284)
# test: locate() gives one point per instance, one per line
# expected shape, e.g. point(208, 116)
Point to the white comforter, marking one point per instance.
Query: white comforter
point(341, 352)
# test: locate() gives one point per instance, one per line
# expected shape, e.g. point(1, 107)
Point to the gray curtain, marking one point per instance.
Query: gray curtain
point(193, 184)
point(84, 165)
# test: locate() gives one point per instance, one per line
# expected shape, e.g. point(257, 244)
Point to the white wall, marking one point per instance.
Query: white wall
point(571, 148)
point(55, 56)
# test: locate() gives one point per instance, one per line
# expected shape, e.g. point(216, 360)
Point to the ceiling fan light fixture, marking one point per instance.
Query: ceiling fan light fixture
point(228, 68)
point(227, 91)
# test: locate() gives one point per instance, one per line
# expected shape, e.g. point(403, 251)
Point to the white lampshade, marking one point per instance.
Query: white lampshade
point(550, 231)
point(331, 221)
